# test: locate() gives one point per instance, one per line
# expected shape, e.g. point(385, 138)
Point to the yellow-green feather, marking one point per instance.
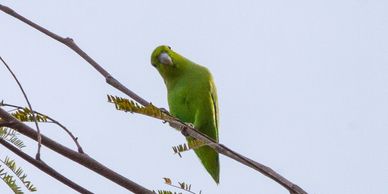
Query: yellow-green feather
point(192, 97)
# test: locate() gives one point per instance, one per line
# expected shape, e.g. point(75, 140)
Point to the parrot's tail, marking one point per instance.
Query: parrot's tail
point(210, 160)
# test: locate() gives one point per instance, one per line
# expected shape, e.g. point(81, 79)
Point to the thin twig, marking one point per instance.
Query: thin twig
point(44, 167)
point(82, 159)
point(178, 187)
point(11, 110)
point(291, 187)
point(75, 139)
point(29, 105)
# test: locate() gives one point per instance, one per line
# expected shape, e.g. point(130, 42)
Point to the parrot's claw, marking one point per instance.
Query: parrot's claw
point(191, 125)
point(184, 133)
point(163, 110)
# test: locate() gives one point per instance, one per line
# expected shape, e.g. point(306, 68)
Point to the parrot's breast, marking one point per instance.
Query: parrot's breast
point(180, 103)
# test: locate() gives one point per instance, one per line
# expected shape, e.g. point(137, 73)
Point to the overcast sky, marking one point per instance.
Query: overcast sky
point(302, 88)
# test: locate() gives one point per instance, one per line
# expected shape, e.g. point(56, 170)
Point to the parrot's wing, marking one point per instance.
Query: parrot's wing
point(214, 99)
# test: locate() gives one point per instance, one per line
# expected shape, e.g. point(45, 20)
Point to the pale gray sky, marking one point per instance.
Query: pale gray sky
point(302, 85)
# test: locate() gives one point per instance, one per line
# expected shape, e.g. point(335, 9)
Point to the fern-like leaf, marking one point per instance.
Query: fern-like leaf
point(191, 144)
point(10, 181)
point(127, 105)
point(26, 115)
point(12, 136)
point(181, 185)
point(11, 164)
point(184, 186)
point(167, 192)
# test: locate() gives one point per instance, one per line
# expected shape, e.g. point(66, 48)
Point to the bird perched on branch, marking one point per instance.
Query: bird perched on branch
point(192, 98)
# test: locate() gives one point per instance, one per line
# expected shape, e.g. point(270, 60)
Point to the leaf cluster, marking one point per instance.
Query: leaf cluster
point(11, 136)
point(167, 192)
point(181, 185)
point(191, 144)
point(10, 180)
point(19, 172)
point(127, 105)
point(26, 115)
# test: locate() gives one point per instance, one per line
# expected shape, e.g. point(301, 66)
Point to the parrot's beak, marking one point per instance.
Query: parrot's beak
point(165, 59)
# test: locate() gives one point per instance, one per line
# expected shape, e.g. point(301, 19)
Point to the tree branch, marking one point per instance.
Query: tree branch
point(5, 123)
point(185, 129)
point(82, 159)
point(44, 167)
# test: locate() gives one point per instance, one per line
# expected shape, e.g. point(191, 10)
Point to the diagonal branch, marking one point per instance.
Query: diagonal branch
point(44, 167)
point(176, 123)
point(82, 159)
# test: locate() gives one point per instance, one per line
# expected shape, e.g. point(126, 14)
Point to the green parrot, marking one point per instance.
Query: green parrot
point(192, 98)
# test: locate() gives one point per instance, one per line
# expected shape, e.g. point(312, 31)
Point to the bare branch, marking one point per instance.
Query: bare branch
point(82, 159)
point(75, 139)
point(5, 123)
point(44, 167)
point(29, 105)
point(176, 123)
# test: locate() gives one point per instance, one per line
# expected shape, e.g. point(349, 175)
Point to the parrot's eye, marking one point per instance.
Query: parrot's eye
point(169, 47)
point(165, 59)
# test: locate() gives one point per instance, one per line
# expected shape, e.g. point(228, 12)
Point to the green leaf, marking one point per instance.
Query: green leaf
point(25, 115)
point(10, 181)
point(11, 164)
point(127, 105)
point(11, 136)
point(192, 144)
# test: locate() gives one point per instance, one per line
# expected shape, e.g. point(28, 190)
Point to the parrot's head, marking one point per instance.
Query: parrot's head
point(161, 56)
point(167, 62)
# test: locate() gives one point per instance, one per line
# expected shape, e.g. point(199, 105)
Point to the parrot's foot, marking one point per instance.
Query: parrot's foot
point(163, 110)
point(191, 125)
